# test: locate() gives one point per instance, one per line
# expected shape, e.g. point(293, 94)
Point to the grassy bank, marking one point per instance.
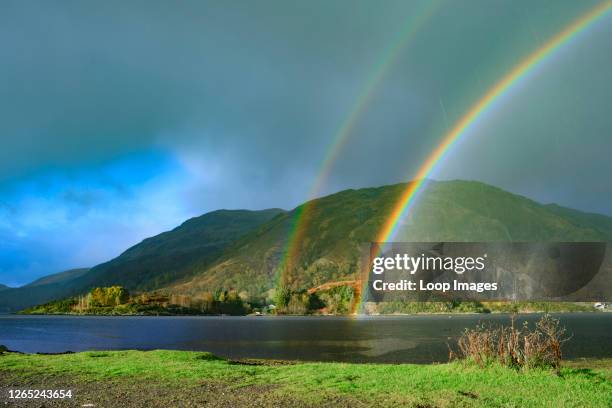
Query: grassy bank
point(406, 307)
point(160, 378)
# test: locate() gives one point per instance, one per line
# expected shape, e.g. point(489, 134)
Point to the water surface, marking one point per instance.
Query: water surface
point(415, 339)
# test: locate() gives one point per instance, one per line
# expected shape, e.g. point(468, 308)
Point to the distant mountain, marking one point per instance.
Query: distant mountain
point(61, 277)
point(40, 291)
point(3, 287)
point(172, 255)
point(338, 224)
point(242, 249)
point(598, 222)
point(154, 262)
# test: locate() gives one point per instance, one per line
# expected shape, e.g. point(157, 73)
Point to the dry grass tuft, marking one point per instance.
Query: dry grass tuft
point(514, 347)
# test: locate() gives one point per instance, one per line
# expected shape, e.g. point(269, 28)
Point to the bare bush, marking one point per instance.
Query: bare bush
point(512, 346)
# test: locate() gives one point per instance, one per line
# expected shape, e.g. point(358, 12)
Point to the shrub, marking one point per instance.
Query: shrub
point(111, 296)
point(282, 296)
point(514, 347)
point(338, 300)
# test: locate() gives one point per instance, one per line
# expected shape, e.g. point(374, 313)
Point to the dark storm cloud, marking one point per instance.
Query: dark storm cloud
point(121, 119)
point(263, 84)
point(82, 81)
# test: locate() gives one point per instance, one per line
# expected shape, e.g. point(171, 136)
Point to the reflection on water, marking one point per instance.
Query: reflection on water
point(418, 339)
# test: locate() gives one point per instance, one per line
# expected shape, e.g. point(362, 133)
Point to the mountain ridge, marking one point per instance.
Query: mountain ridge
point(59, 277)
point(329, 250)
point(242, 249)
point(201, 239)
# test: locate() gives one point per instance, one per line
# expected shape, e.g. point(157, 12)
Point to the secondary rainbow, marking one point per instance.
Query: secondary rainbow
point(390, 228)
point(340, 138)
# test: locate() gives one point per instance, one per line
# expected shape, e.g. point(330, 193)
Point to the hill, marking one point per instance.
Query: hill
point(598, 222)
point(61, 277)
point(3, 287)
point(338, 224)
point(42, 290)
point(38, 292)
point(150, 264)
point(171, 255)
point(242, 250)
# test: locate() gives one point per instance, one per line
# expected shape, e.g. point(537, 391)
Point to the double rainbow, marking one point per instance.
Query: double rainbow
point(403, 206)
point(382, 67)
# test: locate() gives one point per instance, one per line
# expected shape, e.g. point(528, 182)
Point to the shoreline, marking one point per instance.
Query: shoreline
point(253, 361)
point(594, 311)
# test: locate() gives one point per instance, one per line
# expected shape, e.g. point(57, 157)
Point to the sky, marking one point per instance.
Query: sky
point(119, 120)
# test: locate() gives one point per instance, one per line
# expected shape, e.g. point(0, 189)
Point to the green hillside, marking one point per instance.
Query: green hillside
point(149, 264)
point(14, 299)
point(330, 246)
point(596, 221)
point(61, 277)
point(166, 257)
point(241, 250)
point(42, 290)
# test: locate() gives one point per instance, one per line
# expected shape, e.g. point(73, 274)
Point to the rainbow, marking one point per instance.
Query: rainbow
point(304, 212)
point(389, 230)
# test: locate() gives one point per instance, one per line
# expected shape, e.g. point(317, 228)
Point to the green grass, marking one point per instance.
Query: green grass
point(453, 384)
point(539, 307)
point(414, 307)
